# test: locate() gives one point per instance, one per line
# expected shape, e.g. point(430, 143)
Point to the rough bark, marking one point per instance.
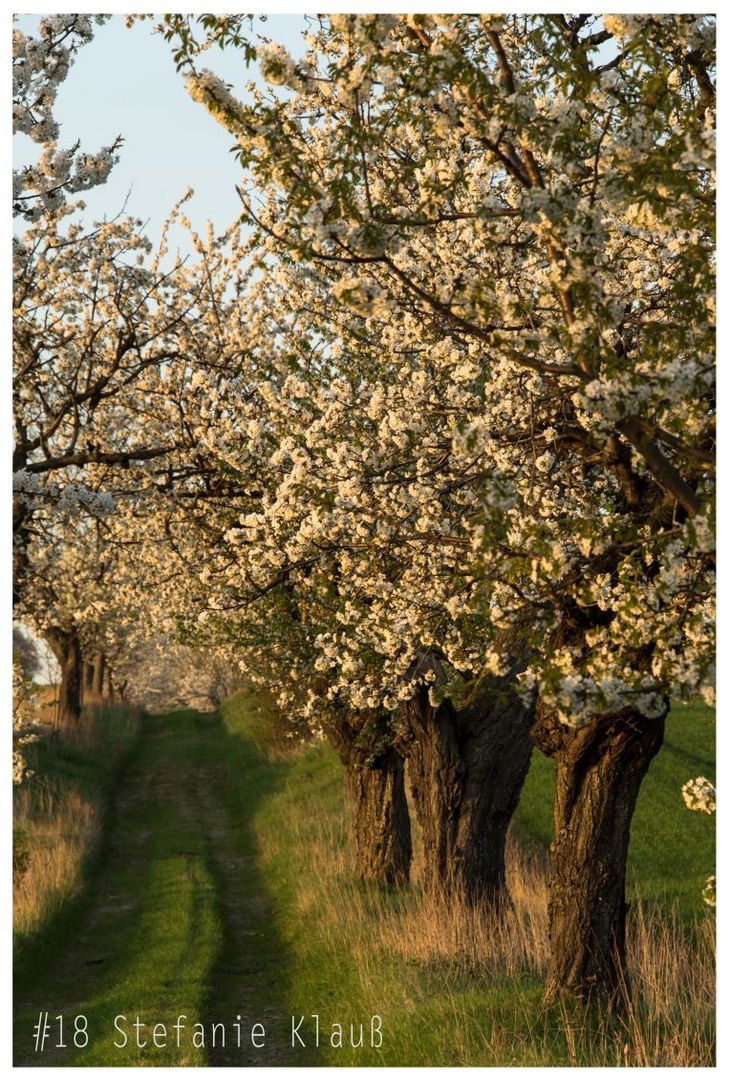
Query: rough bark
point(375, 789)
point(598, 772)
point(380, 820)
point(467, 769)
point(66, 648)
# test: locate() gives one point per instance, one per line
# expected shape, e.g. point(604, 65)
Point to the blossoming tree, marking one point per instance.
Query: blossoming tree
point(95, 322)
point(538, 192)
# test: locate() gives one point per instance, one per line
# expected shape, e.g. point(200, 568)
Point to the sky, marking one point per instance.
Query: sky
point(124, 83)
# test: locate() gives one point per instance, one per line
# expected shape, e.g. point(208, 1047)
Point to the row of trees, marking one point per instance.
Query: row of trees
point(97, 321)
point(428, 448)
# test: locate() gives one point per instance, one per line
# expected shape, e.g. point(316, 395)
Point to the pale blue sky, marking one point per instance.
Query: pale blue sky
point(124, 82)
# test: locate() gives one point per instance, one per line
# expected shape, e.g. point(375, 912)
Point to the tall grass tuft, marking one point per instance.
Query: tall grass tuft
point(58, 815)
point(55, 831)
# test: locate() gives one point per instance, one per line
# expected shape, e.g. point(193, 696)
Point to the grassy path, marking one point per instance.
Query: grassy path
point(226, 889)
point(175, 921)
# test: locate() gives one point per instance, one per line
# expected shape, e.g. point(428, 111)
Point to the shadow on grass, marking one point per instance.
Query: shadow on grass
point(174, 919)
point(249, 978)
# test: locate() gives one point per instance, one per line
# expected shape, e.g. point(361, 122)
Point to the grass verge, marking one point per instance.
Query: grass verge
point(227, 888)
point(59, 818)
point(451, 987)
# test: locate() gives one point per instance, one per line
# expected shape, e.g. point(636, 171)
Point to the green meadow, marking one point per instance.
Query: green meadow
point(216, 891)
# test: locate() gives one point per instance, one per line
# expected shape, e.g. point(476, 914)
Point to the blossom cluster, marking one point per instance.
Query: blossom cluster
point(700, 795)
point(40, 64)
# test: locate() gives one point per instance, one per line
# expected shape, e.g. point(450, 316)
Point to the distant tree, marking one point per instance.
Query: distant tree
point(26, 664)
point(162, 675)
point(25, 652)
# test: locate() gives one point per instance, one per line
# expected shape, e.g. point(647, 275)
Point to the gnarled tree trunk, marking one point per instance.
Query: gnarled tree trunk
point(375, 790)
point(467, 769)
point(598, 772)
point(66, 648)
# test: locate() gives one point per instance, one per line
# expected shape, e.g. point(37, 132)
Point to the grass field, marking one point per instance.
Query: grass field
point(225, 889)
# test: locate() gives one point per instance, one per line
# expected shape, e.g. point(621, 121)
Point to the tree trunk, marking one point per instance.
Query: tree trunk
point(67, 650)
point(108, 683)
point(598, 772)
point(97, 685)
point(88, 681)
point(22, 522)
point(375, 789)
point(380, 820)
point(467, 770)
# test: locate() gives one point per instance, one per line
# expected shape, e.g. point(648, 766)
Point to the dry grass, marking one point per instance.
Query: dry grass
point(672, 969)
point(58, 816)
point(55, 833)
point(672, 1021)
point(439, 929)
